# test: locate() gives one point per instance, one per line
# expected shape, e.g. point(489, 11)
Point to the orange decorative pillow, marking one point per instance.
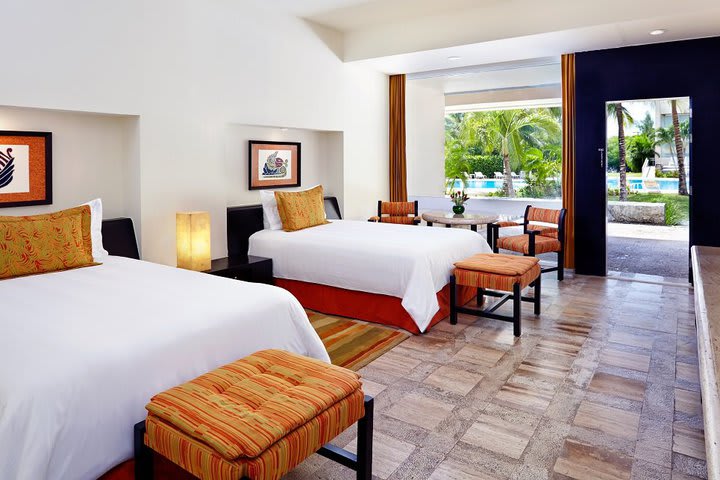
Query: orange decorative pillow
point(45, 243)
point(300, 210)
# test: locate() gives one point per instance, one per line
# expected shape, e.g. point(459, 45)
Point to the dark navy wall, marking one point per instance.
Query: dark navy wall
point(676, 69)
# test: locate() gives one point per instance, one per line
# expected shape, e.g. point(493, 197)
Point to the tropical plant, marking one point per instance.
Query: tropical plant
point(623, 117)
point(666, 136)
point(613, 154)
point(505, 141)
point(456, 162)
point(486, 163)
point(639, 148)
point(515, 132)
point(679, 150)
point(647, 126)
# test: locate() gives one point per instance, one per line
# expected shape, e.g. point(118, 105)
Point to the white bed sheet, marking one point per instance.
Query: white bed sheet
point(409, 262)
point(82, 352)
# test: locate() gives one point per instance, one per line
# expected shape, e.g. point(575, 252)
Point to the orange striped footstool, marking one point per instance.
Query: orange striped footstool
point(493, 274)
point(257, 418)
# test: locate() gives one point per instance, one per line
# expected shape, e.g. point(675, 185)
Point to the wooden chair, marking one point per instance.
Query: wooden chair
point(405, 213)
point(543, 232)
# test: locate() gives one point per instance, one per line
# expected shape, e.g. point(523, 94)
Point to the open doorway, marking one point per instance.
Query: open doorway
point(648, 153)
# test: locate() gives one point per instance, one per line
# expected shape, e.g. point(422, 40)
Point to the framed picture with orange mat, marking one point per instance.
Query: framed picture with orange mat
point(25, 168)
point(273, 164)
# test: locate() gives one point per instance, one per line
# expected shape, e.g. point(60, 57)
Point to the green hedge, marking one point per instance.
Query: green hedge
point(487, 164)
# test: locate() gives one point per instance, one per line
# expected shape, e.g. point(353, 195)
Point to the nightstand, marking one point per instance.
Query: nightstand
point(249, 269)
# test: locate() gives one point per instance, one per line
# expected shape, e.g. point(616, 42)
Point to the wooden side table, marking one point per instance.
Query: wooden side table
point(248, 269)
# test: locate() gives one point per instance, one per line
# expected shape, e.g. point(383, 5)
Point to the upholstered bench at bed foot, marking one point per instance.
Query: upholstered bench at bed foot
point(491, 274)
point(257, 418)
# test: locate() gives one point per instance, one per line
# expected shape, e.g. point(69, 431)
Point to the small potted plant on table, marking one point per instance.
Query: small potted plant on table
point(459, 197)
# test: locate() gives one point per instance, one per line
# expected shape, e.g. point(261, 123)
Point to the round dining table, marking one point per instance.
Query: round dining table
point(450, 219)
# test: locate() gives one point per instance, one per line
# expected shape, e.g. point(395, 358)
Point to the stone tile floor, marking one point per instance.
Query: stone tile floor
point(603, 385)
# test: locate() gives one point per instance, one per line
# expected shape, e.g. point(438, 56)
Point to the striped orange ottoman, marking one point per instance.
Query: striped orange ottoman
point(256, 418)
point(493, 274)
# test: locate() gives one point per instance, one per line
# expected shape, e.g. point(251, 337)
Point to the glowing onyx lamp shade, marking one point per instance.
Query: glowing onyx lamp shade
point(193, 240)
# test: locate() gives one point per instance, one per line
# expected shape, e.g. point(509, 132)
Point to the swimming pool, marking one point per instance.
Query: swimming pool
point(666, 185)
point(487, 184)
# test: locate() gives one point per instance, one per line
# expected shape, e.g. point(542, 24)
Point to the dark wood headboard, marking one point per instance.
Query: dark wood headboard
point(244, 221)
point(119, 238)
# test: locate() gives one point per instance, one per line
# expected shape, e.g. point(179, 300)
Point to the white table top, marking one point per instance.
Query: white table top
point(449, 218)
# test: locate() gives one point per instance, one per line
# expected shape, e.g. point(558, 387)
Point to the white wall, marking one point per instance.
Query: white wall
point(425, 130)
point(321, 159)
point(91, 157)
point(189, 68)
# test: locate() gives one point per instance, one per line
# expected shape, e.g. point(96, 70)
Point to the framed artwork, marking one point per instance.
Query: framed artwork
point(25, 168)
point(273, 164)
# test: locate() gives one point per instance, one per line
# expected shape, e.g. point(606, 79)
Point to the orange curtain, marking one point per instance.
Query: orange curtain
point(398, 167)
point(568, 155)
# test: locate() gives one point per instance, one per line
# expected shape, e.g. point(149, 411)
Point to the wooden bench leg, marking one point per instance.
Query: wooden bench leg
point(538, 294)
point(143, 454)
point(517, 309)
point(453, 311)
point(561, 266)
point(365, 441)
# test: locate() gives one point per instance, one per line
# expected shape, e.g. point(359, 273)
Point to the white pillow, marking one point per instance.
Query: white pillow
point(271, 216)
point(96, 217)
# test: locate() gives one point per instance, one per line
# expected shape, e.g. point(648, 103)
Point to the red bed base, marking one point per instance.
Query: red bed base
point(163, 470)
point(371, 307)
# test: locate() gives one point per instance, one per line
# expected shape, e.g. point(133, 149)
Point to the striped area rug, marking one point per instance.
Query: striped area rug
point(353, 344)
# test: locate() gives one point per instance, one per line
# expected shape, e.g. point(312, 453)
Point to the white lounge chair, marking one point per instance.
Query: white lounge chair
point(514, 175)
point(479, 175)
point(499, 175)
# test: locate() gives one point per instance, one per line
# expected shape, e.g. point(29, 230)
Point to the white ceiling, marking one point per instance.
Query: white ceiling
point(308, 8)
point(404, 36)
point(553, 44)
point(545, 72)
point(351, 15)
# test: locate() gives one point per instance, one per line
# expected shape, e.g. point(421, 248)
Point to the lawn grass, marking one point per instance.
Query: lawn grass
point(677, 208)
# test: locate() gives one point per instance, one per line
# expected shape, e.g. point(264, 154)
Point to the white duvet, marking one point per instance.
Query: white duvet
point(82, 352)
point(409, 262)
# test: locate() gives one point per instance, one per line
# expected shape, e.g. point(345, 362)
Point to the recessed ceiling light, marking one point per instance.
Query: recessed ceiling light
point(454, 58)
point(659, 31)
point(283, 129)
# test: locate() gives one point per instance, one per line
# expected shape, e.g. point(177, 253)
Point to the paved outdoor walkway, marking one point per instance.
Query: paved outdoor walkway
point(648, 249)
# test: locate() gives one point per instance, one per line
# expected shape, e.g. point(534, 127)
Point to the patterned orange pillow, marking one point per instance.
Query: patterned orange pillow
point(45, 243)
point(300, 210)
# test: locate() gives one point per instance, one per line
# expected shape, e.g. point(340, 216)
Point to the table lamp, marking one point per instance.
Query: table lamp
point(193, 240)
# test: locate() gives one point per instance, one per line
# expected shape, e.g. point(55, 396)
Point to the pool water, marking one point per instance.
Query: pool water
point(487, 184)
point(665, 184)
point(635, 184)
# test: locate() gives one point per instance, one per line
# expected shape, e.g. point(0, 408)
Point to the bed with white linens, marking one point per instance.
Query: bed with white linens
point(82, 351)
point(411, 263)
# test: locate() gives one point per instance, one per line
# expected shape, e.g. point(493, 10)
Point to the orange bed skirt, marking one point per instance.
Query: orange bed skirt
point(371, 307)
point(163, 470)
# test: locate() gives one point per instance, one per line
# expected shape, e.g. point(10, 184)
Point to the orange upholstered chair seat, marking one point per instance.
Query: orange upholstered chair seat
point(521, 244)
point(258, 417)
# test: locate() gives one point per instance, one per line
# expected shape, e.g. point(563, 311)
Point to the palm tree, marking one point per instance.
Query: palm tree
point(617, 111)
point(460, 136)
point(682, 180)
point(516, 131)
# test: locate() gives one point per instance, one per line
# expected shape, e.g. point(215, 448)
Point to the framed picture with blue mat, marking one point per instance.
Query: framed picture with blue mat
point(273, 164)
